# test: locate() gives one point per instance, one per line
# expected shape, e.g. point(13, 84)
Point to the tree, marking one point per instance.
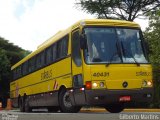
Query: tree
point(118, 9)
point(4, 65)
point(4, 75)
point(13, 52)
point(9, 55)
point(152, 35)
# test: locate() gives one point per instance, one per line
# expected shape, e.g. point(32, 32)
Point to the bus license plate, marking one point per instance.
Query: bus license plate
point(125, 98)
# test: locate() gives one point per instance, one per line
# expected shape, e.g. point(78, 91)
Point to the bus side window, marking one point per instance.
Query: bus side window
point(42, 55)
point(18, 75)
point(63, 47)
point(32, 64)
point(54, 48)
point(38, 61)
point(29, 66)
point(19, 72)
point(49, 55)
point(76, 54)
point(25, 68)
point(14, 74)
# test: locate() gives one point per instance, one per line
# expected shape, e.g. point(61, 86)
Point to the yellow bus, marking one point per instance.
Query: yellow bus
point(95, 62)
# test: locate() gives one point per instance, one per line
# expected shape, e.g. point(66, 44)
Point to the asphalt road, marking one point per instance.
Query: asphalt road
point(83, 115)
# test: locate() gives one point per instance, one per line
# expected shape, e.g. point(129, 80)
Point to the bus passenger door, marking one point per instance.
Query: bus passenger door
point(77, 76)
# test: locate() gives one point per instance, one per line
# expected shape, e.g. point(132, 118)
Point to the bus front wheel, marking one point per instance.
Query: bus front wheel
point(65, 103)
point(27, 108)
point(115, 108)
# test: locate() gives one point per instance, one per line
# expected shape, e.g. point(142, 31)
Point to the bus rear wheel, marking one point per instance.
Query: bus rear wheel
point(27, 108)
point(65, 103)
point(21, 104)
point(115, 108)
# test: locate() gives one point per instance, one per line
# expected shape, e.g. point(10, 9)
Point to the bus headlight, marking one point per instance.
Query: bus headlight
point(98, 84)
point(149, 83)
point(95, 85)
point(146, 83)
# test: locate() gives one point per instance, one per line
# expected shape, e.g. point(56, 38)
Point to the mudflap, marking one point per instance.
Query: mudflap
point(78, 97)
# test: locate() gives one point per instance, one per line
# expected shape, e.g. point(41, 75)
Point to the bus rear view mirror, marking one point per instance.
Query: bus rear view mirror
point(146, 46)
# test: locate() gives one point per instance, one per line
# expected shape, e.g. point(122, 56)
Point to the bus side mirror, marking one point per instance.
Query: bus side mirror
point(83, 41)
point(146, 46)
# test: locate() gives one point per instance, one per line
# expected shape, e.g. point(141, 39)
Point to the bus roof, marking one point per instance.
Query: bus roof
point(60, 34)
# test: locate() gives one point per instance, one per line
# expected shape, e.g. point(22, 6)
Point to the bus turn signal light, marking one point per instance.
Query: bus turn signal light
point(88, 85)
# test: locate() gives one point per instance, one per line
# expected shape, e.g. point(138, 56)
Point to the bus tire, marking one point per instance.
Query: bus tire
point(65, 103)
point(115, 108)
point(27, 108)
point(21, 104)
point(53, 109)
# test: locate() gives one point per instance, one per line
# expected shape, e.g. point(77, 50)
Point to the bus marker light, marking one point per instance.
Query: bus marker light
point(125, 99)
point(96, 98)
point(82, 89)
point(83, 23)
point(71, 90)
point(149, 95)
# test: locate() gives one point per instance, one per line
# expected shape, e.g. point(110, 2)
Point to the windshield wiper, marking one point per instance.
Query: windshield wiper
point(111, 59)
point(125, 51)
point(116, 53)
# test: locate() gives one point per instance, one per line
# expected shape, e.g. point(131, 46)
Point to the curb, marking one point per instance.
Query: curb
point(125, 110)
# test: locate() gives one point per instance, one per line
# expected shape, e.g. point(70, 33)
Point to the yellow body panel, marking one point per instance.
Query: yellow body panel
point(44, 80)
point(116, 74)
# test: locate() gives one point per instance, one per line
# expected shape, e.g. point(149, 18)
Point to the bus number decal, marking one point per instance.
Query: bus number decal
point(101, 74)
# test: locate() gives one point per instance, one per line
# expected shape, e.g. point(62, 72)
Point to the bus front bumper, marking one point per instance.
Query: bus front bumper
point(104, 97)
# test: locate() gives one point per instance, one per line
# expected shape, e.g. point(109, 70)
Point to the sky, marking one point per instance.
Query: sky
point(28, 23)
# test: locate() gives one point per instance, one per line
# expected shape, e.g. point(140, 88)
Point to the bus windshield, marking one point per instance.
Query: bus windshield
point(114, 45)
